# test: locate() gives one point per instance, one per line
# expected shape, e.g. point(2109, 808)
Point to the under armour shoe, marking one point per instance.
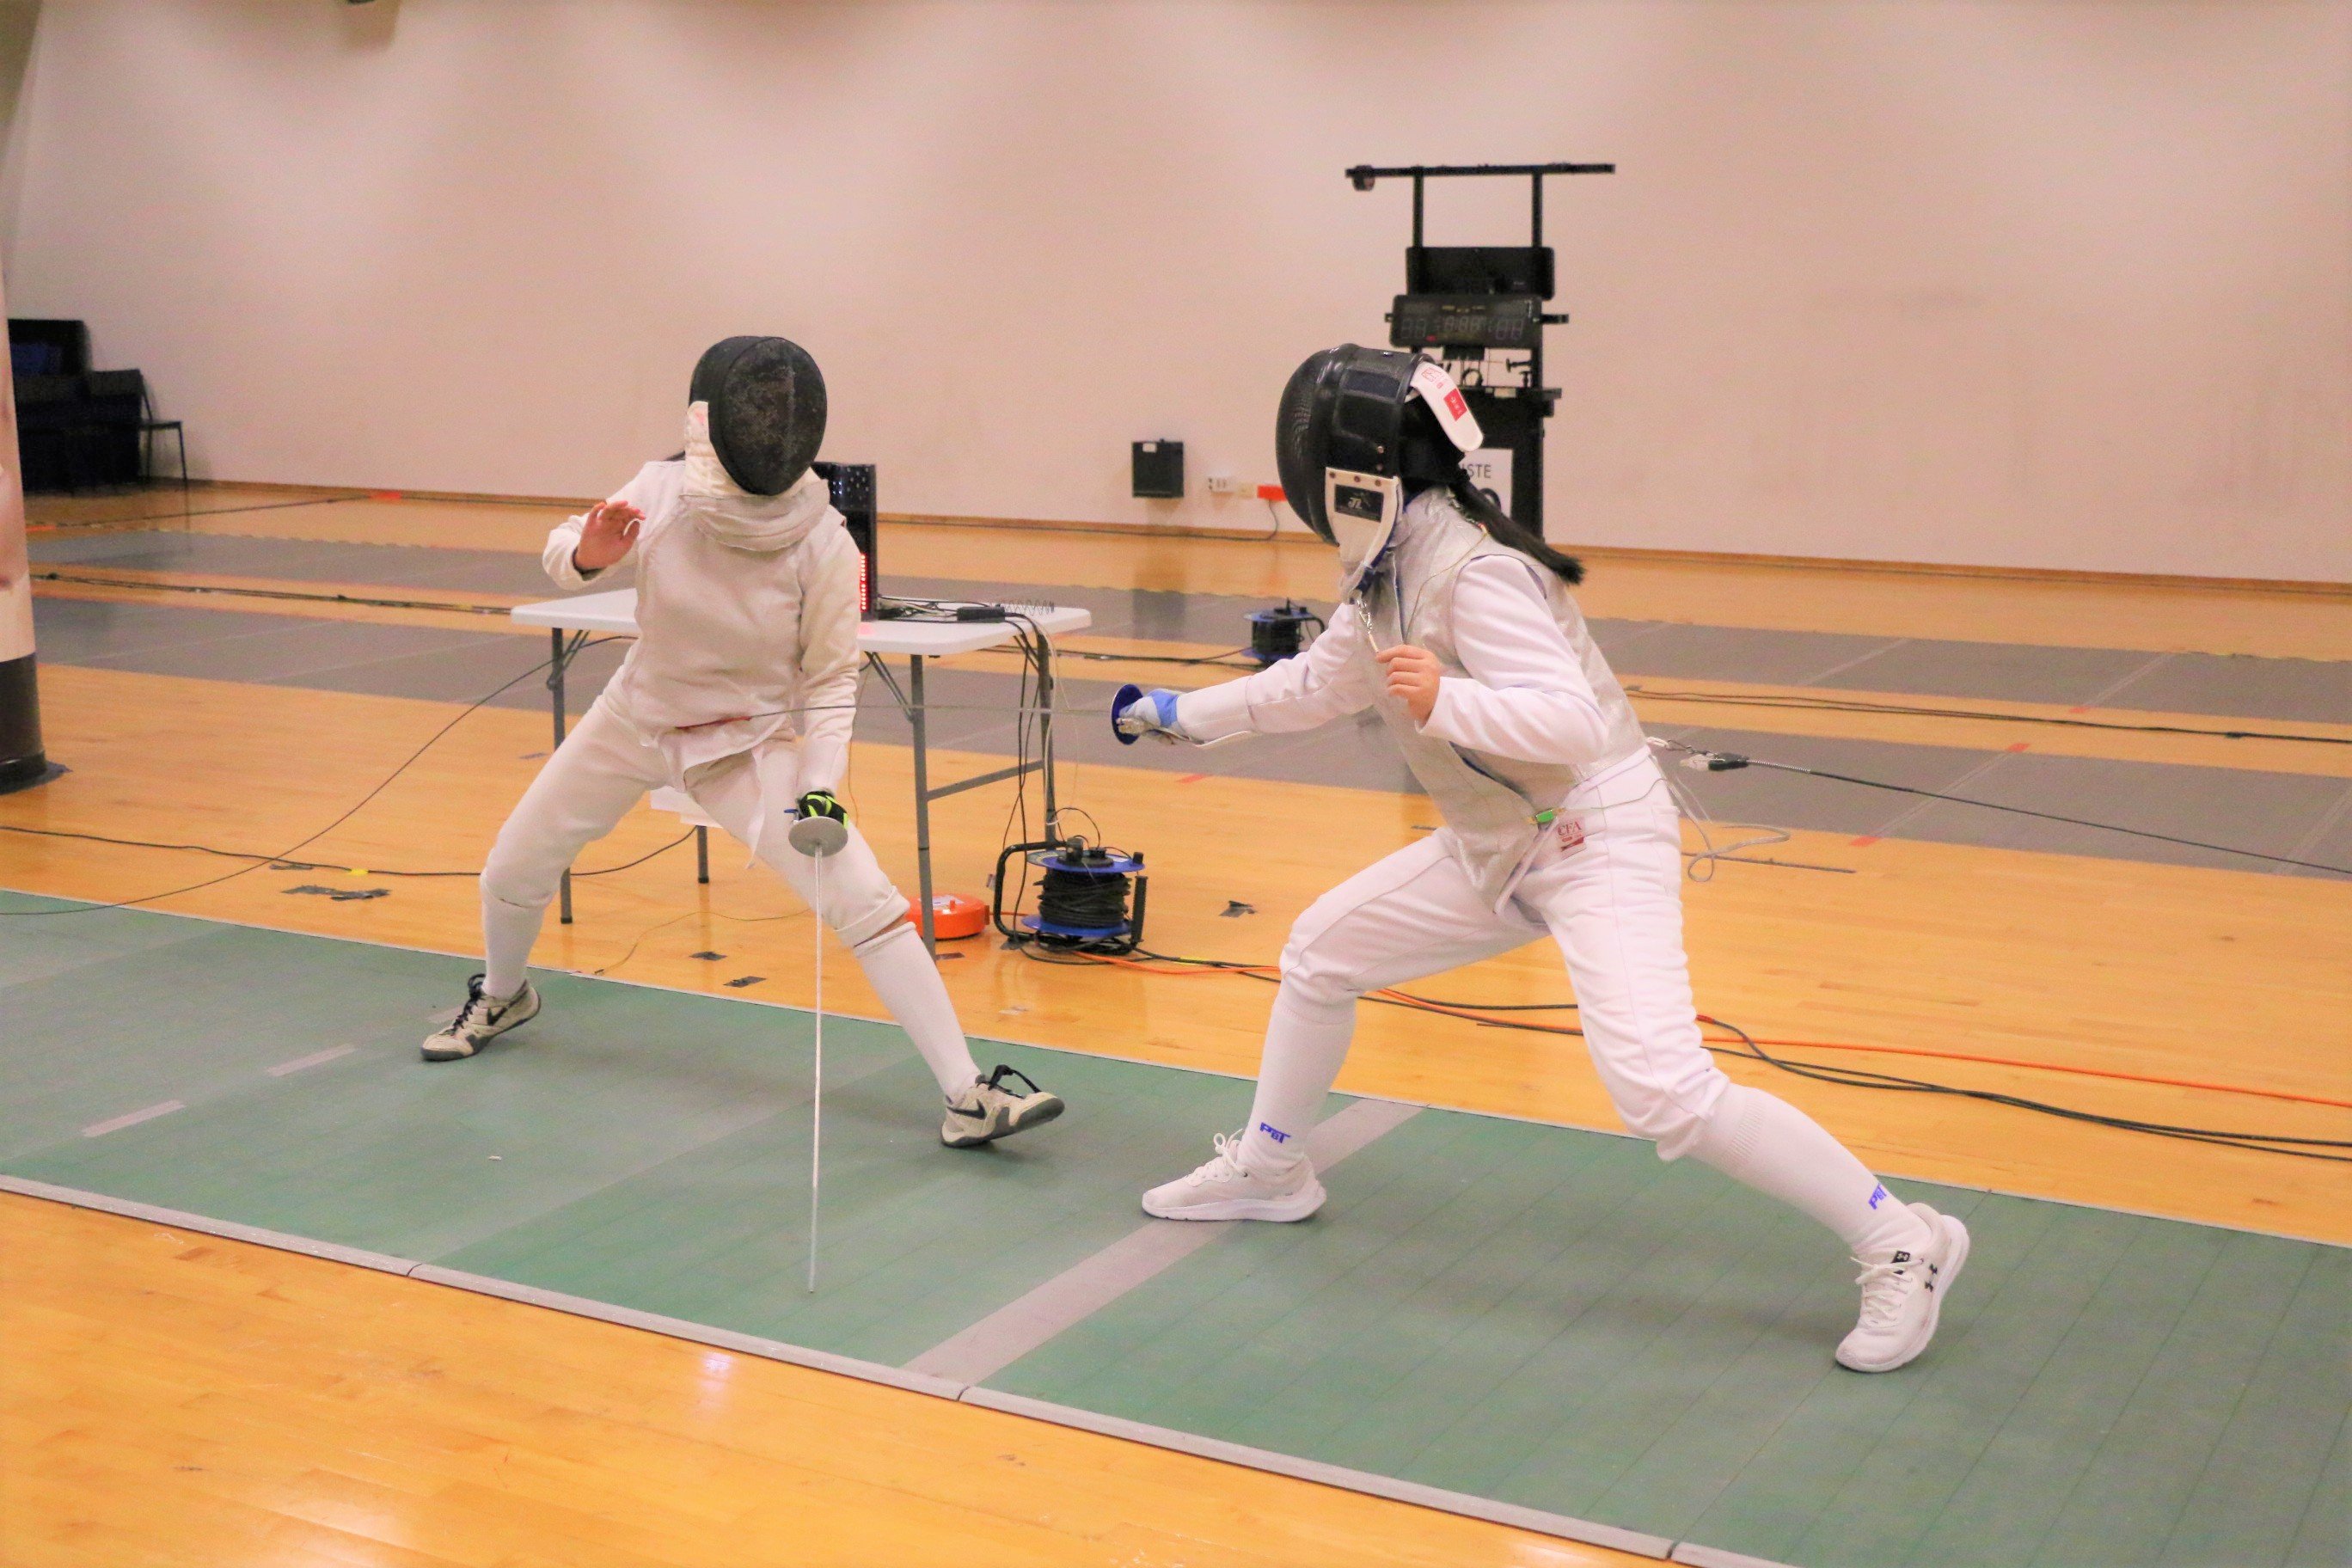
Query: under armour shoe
point(988, 1110)
point(481, 1021)
point(1224, 1188)
point(1902, 1298)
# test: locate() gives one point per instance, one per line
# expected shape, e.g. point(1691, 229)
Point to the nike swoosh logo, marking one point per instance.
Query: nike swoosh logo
point(980, 1115)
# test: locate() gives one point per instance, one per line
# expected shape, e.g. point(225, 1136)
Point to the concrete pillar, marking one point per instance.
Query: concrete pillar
point(22, 760)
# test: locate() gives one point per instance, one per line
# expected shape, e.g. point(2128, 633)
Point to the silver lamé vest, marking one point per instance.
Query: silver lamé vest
point(1489, 803)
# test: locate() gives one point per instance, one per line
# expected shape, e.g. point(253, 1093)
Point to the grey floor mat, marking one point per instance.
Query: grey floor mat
point(1740, 653)
point(2283, 689)
point(2269, 688)
point(1997, 670)
point(2294, 815)
point(2300, 816)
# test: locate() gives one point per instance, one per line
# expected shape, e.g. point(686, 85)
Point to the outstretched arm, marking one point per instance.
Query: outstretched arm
point(1330, 680)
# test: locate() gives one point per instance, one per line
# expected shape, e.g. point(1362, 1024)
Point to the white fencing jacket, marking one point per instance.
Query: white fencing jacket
point(738, 644)
point(1527, 707)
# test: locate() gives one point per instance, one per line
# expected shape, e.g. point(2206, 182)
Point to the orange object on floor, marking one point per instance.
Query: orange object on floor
point(953, 916)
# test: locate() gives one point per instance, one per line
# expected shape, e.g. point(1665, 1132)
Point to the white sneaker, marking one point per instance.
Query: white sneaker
point(988, 1110)
point(1224, 1188)
point(1902, 1297)
point(481, 1021)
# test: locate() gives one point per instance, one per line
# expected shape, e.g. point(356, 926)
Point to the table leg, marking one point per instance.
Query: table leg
point(555, 704)
point(702, 856)
point(922, 800)
point(1045, 726)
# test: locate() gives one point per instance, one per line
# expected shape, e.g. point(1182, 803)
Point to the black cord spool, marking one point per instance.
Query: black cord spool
point(1082, 897)
point(1279, 633)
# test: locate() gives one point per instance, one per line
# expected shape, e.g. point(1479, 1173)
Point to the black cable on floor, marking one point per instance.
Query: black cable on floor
point(187, 512)
point(53, 575)
point(383, 785)
point(1852, 1078)
point(279, 863)
point(1729, 762)
point(1233, 658)
point(2003, 716)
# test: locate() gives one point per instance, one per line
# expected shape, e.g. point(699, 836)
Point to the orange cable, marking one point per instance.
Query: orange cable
point(1420, 1004)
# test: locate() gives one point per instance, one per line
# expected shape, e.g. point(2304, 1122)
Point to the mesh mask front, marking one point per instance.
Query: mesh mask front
point(767, 410)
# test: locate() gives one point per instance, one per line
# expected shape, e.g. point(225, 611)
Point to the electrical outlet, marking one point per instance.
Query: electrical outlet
point(1221, 484)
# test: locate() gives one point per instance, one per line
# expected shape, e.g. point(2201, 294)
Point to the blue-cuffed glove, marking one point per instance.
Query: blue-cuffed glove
point(1136, 712)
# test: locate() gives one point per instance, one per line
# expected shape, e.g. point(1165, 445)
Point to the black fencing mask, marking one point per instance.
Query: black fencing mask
point(765, 398)
point(1355, 426)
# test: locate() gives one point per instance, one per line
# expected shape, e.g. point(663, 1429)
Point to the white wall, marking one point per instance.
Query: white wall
point(1991, 281)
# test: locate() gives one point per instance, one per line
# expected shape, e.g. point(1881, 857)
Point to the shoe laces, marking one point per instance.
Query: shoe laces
point(1227, 1165)
point(476, 1002)
point(996, 1080)
point(1886, 1286)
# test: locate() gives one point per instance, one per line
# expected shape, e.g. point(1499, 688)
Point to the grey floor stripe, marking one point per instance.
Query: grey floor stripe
point(132, 1119)
point(680, 1329)
point(2307, 847)
point(1019, 1327)
point(2099, 697)
point(228, 1229)
point(1842, 667)
point(1699, 1556)
point(1536, 1519)
point(1919, 808)
point(316, 1058)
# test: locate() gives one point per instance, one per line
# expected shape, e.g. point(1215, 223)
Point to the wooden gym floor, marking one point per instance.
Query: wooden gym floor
point(183, 1399)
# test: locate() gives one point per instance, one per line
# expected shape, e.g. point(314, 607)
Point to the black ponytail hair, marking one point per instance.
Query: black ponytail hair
point(1505, 530)
point(1431, 458)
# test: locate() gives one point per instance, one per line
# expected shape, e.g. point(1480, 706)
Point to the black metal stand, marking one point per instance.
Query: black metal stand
point(1483, 297)
point(148, 430)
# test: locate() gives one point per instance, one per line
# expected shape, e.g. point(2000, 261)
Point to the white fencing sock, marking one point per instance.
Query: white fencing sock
point(902, 973)
point(1304, 1048)
point(508, 933)
point(1764, 1141)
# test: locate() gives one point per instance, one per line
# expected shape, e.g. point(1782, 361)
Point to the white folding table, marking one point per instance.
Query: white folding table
point(572, 622)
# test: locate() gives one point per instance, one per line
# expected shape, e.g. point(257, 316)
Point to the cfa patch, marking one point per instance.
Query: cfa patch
point(1570, 832)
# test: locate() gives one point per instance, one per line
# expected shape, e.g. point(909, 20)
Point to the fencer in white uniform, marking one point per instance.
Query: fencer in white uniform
point(1459, 629)
point(741, 690)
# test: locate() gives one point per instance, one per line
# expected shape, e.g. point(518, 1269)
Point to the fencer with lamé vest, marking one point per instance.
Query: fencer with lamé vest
point(1459, 628)
point(740, 690)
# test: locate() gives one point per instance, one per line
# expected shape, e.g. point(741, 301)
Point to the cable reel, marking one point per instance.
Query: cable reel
point(1279, 633)
point(1083, 897)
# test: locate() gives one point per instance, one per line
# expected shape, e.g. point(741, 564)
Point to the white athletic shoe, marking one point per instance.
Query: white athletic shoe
point(481, 1021)
point(1902, 1297)
point(988, 1110)
point(1224, 1188)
